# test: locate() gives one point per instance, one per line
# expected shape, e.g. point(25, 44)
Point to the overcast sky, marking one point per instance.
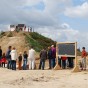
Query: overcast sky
point(61, 20)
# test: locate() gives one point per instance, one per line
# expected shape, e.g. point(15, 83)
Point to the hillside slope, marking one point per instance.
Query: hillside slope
point(23, 40)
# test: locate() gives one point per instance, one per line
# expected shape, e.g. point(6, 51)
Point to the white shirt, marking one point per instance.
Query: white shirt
point(31, 54)
point(13, 54)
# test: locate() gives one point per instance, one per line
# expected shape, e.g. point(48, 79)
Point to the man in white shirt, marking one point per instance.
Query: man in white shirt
point(31, 57)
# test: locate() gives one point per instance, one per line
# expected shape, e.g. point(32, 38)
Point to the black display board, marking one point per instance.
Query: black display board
point(66, 49)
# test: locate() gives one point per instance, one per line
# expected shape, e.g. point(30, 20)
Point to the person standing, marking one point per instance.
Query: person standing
point(8, 57)
point(0, 55)
point(25, 57)
point(31, 57)
point(53, 56)
point(43, 57)
point(3, 60)
point(64, 58)
point(20, 61)
point(49, 56)
point(14, 58)
point(83, 61)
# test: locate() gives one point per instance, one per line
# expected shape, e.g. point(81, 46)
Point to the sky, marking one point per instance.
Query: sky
point(60, 20)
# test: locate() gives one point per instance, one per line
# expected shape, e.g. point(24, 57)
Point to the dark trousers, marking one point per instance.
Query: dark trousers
point(9, 64)
point(64, 64)
point(42, 64)
point(24, 64)
point(13, 65)
point(53, 63)
point(3, 64)
point(49, 63)
point(70, 62)
point(0, 61)
point(59, 62)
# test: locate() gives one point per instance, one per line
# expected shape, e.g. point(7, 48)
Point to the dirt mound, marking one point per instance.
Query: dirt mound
point(13, 39)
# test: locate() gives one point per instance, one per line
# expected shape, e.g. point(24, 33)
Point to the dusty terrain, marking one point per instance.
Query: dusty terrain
point(43, 79)
point(18, 41)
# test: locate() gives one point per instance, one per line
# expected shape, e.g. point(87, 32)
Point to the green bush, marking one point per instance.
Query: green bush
point(38, 41)
point(10, 34)
point(2, 34)
point(33, 43)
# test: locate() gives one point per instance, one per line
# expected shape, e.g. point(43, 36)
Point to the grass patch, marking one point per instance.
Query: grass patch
point(2, 34)
point(10, 34)
point(38, 41)
point(34, 43)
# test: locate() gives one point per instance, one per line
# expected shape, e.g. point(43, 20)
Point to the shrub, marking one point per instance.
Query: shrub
point(2, 34)
point(10, 34)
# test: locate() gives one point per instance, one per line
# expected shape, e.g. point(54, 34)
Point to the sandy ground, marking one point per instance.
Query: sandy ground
point(43, 79)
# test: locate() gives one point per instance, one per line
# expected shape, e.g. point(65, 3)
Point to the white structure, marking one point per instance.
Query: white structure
point(19, 27)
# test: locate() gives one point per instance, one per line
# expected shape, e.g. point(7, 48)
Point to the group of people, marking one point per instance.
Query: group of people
point(11, 58)
point(27, 61)
point(66, 62)
point(50, 54)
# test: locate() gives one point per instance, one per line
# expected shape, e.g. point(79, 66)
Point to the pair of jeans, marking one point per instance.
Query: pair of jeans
point(9, 64)
point(49, 63)
point(64, 64)
point(24, 64)
point(70, 62)
point(83, 61)
point(0, 61)
point(3, 64)
point(13, 65)
point(53, 63)
point(42, 64)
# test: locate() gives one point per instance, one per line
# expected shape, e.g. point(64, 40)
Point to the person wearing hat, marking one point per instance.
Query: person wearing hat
point(20, 61)
point(83, 61)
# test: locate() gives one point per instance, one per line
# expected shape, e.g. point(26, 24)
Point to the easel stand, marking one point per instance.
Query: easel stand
point(57, 67)
point(76, 68)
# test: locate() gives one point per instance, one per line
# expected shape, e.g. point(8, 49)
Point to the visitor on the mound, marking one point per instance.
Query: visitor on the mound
point(8, 57)
point(43, 57)
point(14, 58)
point(25, 59)
point(31, 57)
point(3, 60)
point(53, 56)
point(20, 61)
point(83, 61)
point(49, 56)
point(64, 58)
point(0, 55)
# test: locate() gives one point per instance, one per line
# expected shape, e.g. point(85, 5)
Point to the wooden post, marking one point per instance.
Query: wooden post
point(76, 68)
point(57, 67)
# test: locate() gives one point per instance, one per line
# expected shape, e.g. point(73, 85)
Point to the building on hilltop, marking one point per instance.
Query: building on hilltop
point(21, 27)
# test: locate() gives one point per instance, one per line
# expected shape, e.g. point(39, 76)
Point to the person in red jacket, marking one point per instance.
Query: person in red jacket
point(64, 58)
point(3, 61)
point(83, 61)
